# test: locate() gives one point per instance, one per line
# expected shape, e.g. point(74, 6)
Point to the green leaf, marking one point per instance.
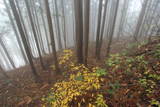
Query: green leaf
point(110, 91)
point(101, 72)
point(155, 102)
point(79, 78)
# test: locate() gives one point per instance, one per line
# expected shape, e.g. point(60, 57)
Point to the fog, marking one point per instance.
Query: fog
point(132, 14)
point(79, 53)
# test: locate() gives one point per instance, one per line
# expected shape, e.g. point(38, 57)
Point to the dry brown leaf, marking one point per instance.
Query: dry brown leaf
point(44, 86)
point(124, 84)
point(21, 103)
point(33, 85)
point(127, 91)
point(27, 99)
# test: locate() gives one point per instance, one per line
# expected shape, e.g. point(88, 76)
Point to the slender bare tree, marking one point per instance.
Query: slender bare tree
point(52, 36)
point(37, 26)
point(22, 33)
point(123, 19)
point(98, 27)
point(58, 25)
point(6, 52)
point(140, 19)
point(34, 33)
point(16, 32)
point(86, 29)
point(79, 29)
point(102, 30)
point(112, 28)
point(3, 72)
point(23, 25)
point(64, 23)
point(44, 24)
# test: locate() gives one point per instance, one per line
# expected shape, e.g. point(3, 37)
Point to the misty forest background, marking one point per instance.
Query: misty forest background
point(135, 19)
point(33, 33)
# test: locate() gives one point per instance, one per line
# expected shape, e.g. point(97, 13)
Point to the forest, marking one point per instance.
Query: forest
point(79, 53)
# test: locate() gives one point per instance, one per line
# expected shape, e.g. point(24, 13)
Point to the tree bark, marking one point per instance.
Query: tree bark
point(37, 26)
point(3, 73)
point(79, 29)
point(58, 27)
point(17, 18)
point(52, 36)
point(86, 29)
point(3, 55)
point(7, 54)
point(98, 27)
point(16, 32)
point(64, 24)
point(102, 30)
point(23, 25)
point(44, 25)
point(140, 20)
point(34, 33)
point(112, 28)
point(123, 18)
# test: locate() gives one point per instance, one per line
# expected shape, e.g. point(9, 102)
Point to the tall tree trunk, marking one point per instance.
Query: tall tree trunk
point(31, 43)
point(23, 25)
point(102, 30)
point(44, 25)
point(16, 32)
point(52, 35)
point(58, 27)
point(79, 29)
point(34, 33)
point(17, 18)
point(86, 29)
point(73, 11)
point(7, 54)
point(146, 16)
point(4, 73)
point(155, 5)
point(5, 59)
point(123, 18)
point(64, 23)
point(140, 19)
point(98, 27)
point(112, 28)
point(37, 26)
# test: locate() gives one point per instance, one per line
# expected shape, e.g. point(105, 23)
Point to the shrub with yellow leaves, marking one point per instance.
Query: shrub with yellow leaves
point(79, 83)
point(100, 101)
point(67, 54)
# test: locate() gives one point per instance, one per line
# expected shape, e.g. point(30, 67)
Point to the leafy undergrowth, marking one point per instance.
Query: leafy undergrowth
point(125, 81)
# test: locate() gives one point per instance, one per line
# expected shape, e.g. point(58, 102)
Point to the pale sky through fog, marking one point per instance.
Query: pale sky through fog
point(2, 17)
point(134, 7)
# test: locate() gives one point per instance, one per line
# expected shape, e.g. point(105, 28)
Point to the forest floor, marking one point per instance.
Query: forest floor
point(130, 77)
